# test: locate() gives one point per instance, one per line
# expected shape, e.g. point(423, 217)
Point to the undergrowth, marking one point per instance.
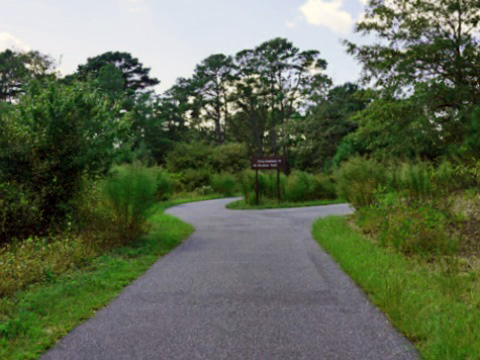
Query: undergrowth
point(34, 318)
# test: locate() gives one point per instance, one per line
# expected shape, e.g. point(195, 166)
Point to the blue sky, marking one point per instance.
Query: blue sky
point(172, 36)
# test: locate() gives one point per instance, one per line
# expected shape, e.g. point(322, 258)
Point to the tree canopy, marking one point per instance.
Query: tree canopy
point(426, 51)
point(17, 69)
point(135, 76)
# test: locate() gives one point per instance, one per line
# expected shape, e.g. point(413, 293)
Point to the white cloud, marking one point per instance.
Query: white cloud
point(137, 6)
point(138, 9)
point(329, 14)
point(8, 41)
point(290, 24)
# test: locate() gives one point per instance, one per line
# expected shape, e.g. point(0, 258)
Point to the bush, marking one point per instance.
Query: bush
point(416, 181)
point(176, 183)
point(230, 158)
point(267, 185)
point(164, 185)
point(192, 179)
point(417, 230)
point(55, 135)
point(189, 156)
point(114, 211)
point(224, 184)
point(204, 190)
point(129, 192)
point(323, 187)
point(299, 187)
point(39, 259)
point(20, 212)
point(358, 180)
point(246, 182)
point(410, 227)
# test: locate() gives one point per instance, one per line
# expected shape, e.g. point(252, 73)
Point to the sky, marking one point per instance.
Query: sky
point(172, 36)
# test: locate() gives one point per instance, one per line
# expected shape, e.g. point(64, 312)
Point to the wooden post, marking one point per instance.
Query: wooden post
point(257, 200)
point(278, 182)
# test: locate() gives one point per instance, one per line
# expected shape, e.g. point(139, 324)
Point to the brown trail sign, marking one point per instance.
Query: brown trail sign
point(267, 163)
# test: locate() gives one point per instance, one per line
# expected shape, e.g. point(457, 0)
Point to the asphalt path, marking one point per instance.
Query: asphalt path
point(246, 285)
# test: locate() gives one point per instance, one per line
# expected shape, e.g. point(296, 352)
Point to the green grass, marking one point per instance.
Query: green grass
point(34, 319)
point(436, 305)
point(242, 205)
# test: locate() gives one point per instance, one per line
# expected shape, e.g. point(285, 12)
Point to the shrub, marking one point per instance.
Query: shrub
point(246, 183)
point(358, 179)
point(410, 227)
point(176, 183)
point(323, 187)
point(20, 212)
point(267, 185)
point(299, 187)
point(224, 184)
point(416, 181)
point(230, 158)
point(204, 190)
point(192, 179)
point(164, 185)
point(417, 230)
point(38, 259)
point(188, 156)
point(53, 137)
point(123, 201)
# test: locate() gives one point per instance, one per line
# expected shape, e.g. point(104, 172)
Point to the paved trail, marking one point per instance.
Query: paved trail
point(248, 285)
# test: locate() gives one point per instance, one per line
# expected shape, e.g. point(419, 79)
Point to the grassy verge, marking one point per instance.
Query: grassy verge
point(242, 205)
point(436, 305)
point(34, 319)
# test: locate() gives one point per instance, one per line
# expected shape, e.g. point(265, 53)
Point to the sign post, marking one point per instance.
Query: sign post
point(257, 200)
point(267, 163)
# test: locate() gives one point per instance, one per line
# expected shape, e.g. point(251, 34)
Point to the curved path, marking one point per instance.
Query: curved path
point(246, 285)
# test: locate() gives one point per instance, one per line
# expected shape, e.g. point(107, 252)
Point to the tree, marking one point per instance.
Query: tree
point(110, 79)
point(17, 69)
point(56, 135)
point(289, 80)
point(429, 47)
point(395, 128)
point(211, 82)
point(176, 109)
point(135, 76)
point(250, 121)
point(326, 124)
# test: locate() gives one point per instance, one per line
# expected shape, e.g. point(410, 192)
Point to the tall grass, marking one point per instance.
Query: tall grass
point(297, 187)
point(164, 185)
point(406, 206)
point(225, 184)
point(359, 179)
point(127, 195)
